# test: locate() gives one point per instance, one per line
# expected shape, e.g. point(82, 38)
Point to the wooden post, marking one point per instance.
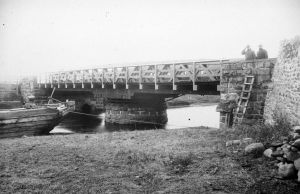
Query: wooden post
point(82, 78)
point(140, 79)
point(155, 78)
point(58, 82)
point(92, 85)
point(194, 78)
point(174, 85)
point(114, 76)
point(126, 78)
point(102, 81)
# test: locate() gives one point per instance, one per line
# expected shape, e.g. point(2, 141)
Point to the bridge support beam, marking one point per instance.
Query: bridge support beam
point(136, 111)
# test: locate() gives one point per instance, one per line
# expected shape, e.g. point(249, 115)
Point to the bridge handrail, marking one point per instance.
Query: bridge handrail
point(158, 73)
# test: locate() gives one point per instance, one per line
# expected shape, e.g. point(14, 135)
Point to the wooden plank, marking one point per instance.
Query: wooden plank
point(28, 124)
point(29, 119)
point(19, 113)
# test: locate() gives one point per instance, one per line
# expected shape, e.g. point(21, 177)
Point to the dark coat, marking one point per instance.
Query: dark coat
point(249, 54)
point(262, 54)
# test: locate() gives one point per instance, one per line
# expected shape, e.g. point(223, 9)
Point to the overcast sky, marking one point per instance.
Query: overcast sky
point(51, 35)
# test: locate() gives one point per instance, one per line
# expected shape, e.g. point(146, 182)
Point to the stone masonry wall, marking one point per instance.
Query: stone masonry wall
point(131, 112)
point(284, 98)
point(232, 81)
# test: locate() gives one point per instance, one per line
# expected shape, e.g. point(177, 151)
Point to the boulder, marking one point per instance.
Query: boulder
point(296, 129)
point(292, 156)
point(294, 149)
point(297, 164)
point(296, 136)
point(277, 153)
point(281, 159)
point(268, 153)
point(297, 144)
point(255, 149)
point(286, 170)
point(276, 144)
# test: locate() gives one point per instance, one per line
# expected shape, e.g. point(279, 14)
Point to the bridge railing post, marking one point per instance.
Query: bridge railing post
point(51, 80)
point(91, 77)
point(126, 77)
point(58, 80)
point(73, 80)
point(114, 77)
point(46, 79)
point(141, 78)
point(194, 78)
point(174, 73)
point(102, 80)
point(82, 79)
point(155, 77)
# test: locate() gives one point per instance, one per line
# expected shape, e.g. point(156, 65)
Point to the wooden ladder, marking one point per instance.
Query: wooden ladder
point(244, 99)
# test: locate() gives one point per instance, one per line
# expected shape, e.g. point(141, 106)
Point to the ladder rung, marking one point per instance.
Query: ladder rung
point(245, 97)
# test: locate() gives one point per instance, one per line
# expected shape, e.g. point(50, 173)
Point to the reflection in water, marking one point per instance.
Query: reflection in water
point(177, 118)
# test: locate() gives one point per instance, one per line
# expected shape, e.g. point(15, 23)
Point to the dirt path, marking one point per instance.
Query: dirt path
point(155, 161)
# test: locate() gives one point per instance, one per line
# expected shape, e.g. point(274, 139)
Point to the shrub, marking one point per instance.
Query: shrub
point(264, 132)
point(179, 164)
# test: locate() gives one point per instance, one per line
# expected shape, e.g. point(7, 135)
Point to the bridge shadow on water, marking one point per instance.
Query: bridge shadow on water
point(75, 123)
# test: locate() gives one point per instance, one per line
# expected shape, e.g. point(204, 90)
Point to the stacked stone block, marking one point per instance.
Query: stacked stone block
point(232, 82)
point(131, 112)
point(284, 98)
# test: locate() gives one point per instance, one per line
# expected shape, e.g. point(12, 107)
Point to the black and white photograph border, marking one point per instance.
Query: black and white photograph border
point(139, 96)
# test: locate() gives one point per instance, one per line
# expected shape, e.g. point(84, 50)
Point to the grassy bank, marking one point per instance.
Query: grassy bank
point(191, 160)
point(193, 100)
point(161, 161)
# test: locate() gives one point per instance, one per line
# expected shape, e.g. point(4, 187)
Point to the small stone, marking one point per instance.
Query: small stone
point(228, 143)
point(286, 148)
point(286, 170)
point(276, 144)
point(277, 153)
point(296, 129)
point(293, 149)
point(255, 149)
point(233, 143)
point(247, 140)
point(280, 159)
point(298, 176)
point(292, 156)
point(279, 149)
point(268, 153)
point(236, 142)
point(297, 164)
point(296, 144)
point(293, 135)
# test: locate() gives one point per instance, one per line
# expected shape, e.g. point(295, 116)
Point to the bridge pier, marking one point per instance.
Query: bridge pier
point(232, 83)
point(146, 110)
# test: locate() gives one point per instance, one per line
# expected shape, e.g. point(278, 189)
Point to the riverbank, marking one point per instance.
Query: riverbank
point(193, 100)
point(163, 161)
point(191, 160)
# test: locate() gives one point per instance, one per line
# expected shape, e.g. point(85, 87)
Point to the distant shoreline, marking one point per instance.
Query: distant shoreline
point(193, 105)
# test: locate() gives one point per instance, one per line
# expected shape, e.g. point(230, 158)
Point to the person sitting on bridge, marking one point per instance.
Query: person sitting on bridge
point(261, 53)
point(249, 53)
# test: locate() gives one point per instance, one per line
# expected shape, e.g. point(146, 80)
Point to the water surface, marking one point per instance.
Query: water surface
point(183, 117)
